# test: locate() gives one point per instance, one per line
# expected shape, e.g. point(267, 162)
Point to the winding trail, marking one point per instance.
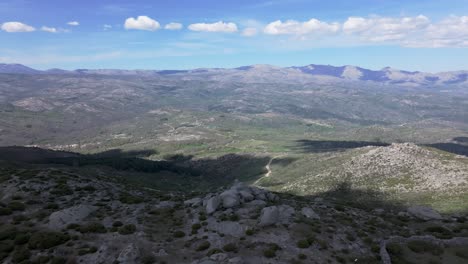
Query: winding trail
point(268, 168)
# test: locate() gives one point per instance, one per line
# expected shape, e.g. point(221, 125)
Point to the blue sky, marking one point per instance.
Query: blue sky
point(412, 35)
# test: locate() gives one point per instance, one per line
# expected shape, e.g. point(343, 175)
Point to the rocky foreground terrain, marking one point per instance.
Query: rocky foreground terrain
point(63, 215)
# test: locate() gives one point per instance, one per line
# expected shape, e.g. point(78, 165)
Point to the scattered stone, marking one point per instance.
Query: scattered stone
point(75, 214)
point(212, 204)
point(424, 213)
point(309, 213)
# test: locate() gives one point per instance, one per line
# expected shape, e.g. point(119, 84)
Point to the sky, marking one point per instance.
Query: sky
point(422, 35)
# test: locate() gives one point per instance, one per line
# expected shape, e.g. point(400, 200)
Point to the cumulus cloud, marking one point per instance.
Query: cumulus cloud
point(16, 27)
point(378, 29)
point(49, 29)
point(293, 27)
point(249, 32)
point(173, 26)
point(73, 23)
point(219, 26)
point(142, 23)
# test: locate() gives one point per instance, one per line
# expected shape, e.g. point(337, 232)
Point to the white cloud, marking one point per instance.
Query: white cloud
point(73, 23)
point(293, 27)
point(380, 29)
point(452, 31)
point(173, 26)
point(249, 32)
point(142, 23)
point(49, 29)
point(106, 27)
point(16, 27)
point(219, 26)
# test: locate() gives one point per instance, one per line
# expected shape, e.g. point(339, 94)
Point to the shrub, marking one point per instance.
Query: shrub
point(20, 255)
point(6, 246)
point(73, 226)
point(249, 232)
point(127, 229)
point(231, 247)
point(22, 239)
point(117, 224)
point(93, 228)
point(148, 259)
point(46, 240)
point(179, 234)
point(58, 260)
point(301, 256)
point(269, 253)
point(16, 206)
point(203, 246)
point(303, 244)
point(461, 254)
point(394, 249)
point(5, 211)
point(127, 198)
point(420, 246)
point(214, 251)
point(52, 206)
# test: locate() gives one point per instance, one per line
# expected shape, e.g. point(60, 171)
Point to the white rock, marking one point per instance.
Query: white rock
point(309, 213)
point(219, 256)
point(194, 202)
point(75, 214)
point(230, 198)
point(424, 213)
point(212, 204)
point(270, 216)
point(128, 255)
point(236, 260)
point(246, 195)
point(272, 197)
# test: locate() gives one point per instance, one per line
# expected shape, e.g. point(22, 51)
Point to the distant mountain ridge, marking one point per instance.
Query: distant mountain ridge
point(268, 73)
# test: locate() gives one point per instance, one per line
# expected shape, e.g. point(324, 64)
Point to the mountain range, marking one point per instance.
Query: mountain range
point(267, 73)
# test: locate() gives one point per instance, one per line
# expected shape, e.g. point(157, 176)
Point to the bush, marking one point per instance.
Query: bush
point(52, 206)
point(127, 229)
point(420, 246)
point(203, 246)
point(16, 206)
point(303, 244)
point(5, 211)
point(93, 228)
point(148, 259)
point(73, 226)
point(58, 260)
point(394, 249)
point(214, 251)
point(20, 255)
point(6, 246)
point(22, 239)
point(301, 256)
point(231, 247)
point(249, 232)
point(127, 198)
point(46, 240)
point(179, 234)
point(117, 224)
point(269, 253)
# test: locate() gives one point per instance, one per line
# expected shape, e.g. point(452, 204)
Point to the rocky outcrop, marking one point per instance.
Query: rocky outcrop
point(274, 215)
point(75, 214)
point(236, 196)
point(424, 213)
point(309, 213)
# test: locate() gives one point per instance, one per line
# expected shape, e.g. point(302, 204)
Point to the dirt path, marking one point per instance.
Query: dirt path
point(268, 168)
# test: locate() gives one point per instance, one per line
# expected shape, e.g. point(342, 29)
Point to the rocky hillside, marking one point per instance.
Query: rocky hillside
point(402, 171)
point(62, 215)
